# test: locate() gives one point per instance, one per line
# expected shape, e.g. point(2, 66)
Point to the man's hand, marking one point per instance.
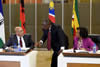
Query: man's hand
point(9, 48)
point(37, 44)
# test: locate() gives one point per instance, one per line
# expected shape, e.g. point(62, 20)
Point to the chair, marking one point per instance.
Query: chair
point(95, 38)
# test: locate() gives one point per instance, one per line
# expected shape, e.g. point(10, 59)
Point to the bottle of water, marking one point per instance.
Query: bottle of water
point(94, 48)
point(15, 47)
point(19, 48)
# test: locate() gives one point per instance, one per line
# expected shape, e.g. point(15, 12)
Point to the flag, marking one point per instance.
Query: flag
point(51, 11)
point(75, 18)
point(22, 16)
point(2, 30)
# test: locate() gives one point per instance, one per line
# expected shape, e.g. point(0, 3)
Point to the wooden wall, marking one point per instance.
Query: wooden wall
point(42, 13)
point(25, 1)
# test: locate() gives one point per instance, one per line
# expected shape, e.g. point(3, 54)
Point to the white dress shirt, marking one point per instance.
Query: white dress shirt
point(23, 42)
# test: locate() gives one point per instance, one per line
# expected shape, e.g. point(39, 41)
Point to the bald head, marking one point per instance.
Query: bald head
point(46, 24)
point(19, 31)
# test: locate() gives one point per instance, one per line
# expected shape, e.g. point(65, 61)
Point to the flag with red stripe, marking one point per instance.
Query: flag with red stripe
point(22, 15)
point(51, 11)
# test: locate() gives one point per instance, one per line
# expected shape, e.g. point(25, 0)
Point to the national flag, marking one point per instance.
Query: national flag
point(22, 15)
point(2, 29)
point(75, 18)
point(51, 11)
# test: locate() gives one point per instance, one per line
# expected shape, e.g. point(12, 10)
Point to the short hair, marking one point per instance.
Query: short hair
point(46, 22)
point(17, 27)
point(83, 32)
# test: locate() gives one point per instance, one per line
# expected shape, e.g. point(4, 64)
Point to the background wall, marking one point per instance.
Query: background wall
point(42, 13)
point(18, 1)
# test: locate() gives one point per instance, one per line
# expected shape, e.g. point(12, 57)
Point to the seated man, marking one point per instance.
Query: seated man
point(21, 39)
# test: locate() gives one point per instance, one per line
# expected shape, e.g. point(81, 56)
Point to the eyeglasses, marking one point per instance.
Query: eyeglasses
point(19, 31)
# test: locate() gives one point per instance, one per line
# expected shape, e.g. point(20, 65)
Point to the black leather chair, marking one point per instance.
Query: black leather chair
point(96, 39)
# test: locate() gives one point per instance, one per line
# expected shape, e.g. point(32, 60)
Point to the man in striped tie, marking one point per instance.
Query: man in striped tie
point(55, 37)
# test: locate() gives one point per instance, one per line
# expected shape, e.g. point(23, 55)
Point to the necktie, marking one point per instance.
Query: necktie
point(21, 42)
point(49, 40)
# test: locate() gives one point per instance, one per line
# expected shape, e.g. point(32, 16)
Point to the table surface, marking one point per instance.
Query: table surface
point(22, 53)
point(15, 53)
point(81, 55)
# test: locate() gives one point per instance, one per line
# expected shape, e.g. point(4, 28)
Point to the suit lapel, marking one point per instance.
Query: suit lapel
point(52, 30)
point(24, 39)
point(16, 40)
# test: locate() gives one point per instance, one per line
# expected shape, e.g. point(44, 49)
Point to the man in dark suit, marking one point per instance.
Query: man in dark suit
point(21, 39)
point(56, 39)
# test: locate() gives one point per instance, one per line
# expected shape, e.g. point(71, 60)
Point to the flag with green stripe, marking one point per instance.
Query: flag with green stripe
point(2, 30)
point(75, 18)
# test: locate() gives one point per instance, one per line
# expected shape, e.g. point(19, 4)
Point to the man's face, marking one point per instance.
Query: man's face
point(46, 27)
point(19, 32)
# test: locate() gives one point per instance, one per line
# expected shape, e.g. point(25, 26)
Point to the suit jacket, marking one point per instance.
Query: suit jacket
point(27, 39)
point(58, 37)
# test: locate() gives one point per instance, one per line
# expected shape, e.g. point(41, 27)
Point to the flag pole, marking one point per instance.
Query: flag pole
point(15, 1)
point(35, 20)
point(79, 1)
point(10, 17)
point(90, 16)
point(63, 14)
point(30, 1)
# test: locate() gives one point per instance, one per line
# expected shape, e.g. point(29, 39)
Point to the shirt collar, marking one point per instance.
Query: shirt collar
point(50, 28)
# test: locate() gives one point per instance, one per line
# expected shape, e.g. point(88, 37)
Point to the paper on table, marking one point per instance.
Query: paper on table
point(21, 49)
point(25, 48)
point(1, 50)
point(72, 51)
point(81, 51)
point(68, 51)
point(98, 52)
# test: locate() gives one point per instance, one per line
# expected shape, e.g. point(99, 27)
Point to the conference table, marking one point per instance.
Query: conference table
point(18, 59)
point(33, 58)
point(78, 60)
point(42, 58)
